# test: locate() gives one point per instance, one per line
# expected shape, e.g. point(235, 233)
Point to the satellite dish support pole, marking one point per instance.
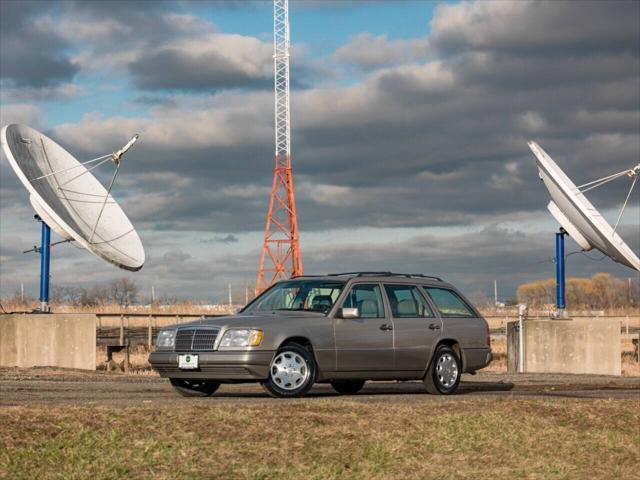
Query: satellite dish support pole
point(44, 251)
point(560, 274)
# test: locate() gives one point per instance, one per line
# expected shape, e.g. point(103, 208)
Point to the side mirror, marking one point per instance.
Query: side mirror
point(349, 313)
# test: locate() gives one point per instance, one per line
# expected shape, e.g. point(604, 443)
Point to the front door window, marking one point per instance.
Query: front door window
point(367, 299)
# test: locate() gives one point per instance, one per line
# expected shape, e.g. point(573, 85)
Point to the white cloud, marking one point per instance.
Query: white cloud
point(369, 52)
point(531, 121)
point(20, 113)
point(213, 123)
point(334, 195)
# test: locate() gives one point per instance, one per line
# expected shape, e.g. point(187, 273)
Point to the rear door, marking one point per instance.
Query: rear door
point(364, 343)
point(416, 328)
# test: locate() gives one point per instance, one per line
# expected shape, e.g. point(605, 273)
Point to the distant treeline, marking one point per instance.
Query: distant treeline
point(601, 291)
point(121, 291)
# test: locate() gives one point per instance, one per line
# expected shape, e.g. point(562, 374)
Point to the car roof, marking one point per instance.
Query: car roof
point(377, 276)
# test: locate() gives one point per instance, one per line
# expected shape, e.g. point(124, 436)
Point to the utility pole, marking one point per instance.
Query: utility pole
point(280, 257)
point(495, 292)
point(246, 294)
point(230, 299)
point(153, 294)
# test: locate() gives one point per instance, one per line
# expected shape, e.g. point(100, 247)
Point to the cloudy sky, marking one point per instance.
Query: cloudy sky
point(409, 128)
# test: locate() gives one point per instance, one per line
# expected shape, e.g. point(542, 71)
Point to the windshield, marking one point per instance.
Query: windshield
point(302, 295)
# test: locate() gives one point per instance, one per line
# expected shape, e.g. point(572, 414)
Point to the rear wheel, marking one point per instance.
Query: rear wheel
point(188, 387)
point(291, 373)
point(443, 376)
point(347, 387)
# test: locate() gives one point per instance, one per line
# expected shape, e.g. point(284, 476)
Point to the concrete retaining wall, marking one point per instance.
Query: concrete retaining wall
point(51, 340)
point(573, 346)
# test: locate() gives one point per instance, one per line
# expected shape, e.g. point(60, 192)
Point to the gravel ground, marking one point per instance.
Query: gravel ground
point(46, 386)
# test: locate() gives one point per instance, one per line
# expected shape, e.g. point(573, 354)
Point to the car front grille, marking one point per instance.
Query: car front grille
point(196, 339)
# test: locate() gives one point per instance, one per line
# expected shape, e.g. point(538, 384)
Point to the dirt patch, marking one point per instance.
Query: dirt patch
point(39, 386)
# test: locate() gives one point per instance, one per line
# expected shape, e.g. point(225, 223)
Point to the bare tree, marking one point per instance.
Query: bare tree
point(168, 299)
point(96, 295)
point(123, 291)
point(66, 295)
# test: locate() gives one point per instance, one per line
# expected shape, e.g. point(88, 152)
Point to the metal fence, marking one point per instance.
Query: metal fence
point(143, 328)
point(137, 328)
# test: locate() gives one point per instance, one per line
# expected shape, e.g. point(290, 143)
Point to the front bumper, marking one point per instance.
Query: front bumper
point(222, 366)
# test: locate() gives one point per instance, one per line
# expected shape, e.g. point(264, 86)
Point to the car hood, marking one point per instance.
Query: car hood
point(262, 319)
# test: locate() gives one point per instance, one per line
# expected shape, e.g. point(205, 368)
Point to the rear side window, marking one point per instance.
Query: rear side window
point(449, 303)
point(367, 299)
point(407, 302)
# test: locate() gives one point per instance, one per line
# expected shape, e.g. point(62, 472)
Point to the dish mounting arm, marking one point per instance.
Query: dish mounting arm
point(117, 156)
point(631, 173)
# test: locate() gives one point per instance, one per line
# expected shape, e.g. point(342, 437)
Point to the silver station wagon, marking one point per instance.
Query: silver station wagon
point(342, 329)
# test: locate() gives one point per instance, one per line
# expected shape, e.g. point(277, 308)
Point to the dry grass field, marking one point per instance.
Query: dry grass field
point(194, 308)
point(313, 439)
point(185, 308)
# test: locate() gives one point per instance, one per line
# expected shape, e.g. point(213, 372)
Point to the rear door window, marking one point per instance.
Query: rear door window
point(449, 303)
point(407, 302)
point(367, 298)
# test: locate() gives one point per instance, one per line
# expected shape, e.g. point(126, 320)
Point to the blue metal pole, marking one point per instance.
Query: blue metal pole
point(44, 267)
point(560, 276)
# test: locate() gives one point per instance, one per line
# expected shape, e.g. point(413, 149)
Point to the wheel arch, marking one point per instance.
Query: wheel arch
point(299, 339)
point(454, 345)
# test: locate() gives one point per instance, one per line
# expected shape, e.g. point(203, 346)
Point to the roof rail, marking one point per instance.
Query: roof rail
point(361, 274)
point(385, 274)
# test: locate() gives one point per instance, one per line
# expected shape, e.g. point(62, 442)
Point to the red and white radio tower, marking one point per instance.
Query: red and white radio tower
point(280, 257)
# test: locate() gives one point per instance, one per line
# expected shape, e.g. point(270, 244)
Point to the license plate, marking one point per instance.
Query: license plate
point(188, 361)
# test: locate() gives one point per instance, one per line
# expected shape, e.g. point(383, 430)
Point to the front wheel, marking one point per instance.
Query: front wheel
point(188, 387)
point(291, 373)
point(443, 376)
point(347, 387)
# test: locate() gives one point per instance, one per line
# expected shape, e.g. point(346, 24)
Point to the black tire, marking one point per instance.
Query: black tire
point(347, 387)
point(439, 382)
point(188, 387)
point(278, 385)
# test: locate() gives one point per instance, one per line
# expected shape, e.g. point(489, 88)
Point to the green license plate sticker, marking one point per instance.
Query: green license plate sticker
point(188, 361)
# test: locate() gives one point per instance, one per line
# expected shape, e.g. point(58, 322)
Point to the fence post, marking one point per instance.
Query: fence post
point(150, 334)
point(121, 329)
point(513, 347)
point(127, 360)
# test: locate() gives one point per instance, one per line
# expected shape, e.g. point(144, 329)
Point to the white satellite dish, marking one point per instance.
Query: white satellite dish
point(71, 200)
point(578, 216)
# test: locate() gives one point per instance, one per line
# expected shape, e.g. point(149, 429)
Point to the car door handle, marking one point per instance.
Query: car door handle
point(434, 326)
point(386, 327)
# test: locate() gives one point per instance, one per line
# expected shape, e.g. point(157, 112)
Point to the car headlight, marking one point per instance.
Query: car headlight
point(166, 339)
point(241, 338)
